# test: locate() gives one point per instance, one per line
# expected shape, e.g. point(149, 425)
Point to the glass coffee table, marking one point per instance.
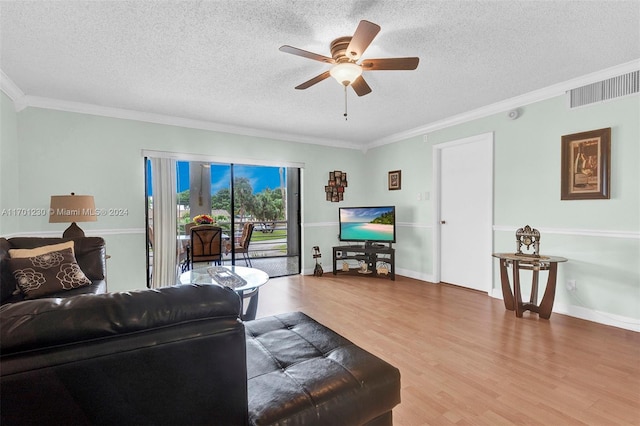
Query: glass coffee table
point(244, 281)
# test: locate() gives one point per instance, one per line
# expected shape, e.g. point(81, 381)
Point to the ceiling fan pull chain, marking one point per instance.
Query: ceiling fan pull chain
point(345, 103)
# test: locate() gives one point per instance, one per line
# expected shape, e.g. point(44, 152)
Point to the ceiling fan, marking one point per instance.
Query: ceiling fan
point(345, 52)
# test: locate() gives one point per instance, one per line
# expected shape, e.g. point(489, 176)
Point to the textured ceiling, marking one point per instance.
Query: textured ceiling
point(218, 61)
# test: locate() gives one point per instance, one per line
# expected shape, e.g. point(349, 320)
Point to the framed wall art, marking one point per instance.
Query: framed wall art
point(586, 165)
point(395, 180)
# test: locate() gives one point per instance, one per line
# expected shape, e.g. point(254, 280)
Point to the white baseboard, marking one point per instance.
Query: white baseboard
point(598, 316)
point(415, 275)
point(587, 314)
point(581, 312)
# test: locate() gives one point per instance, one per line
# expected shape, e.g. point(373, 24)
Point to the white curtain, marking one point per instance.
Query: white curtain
point(163, 172)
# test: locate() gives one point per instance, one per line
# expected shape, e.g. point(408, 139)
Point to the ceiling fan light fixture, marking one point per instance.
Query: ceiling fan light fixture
point(346, 73)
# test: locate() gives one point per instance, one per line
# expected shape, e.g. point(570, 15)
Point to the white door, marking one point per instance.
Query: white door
point(466, 211)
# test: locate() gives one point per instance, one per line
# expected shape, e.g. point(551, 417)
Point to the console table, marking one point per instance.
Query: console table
point(534, 264)
point(370, 254)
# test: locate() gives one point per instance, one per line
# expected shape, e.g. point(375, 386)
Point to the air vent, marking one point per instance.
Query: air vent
point(604, 90)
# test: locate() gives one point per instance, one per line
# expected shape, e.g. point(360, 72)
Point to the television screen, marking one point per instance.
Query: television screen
point(368, 224)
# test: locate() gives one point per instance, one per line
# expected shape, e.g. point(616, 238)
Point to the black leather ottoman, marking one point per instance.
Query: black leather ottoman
point(301, 372)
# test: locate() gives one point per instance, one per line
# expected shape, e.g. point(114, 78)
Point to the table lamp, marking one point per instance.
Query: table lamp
point(72, 208)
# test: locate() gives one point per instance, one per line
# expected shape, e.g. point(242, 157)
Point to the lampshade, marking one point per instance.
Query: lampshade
point(346, 72)
point(72, 208)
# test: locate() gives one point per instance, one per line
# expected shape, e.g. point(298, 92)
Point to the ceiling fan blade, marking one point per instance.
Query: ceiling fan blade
point(362, 38)
point(305, 54)
point(314, 80)
point(390, 64)
point(360, 86)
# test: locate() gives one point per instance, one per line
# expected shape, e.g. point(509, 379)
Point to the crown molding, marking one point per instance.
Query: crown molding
point(22, 101)
point(12, 91)
point(549, 92)
point(126, 114)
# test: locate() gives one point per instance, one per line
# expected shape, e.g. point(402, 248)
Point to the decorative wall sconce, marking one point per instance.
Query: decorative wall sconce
point(335, 189)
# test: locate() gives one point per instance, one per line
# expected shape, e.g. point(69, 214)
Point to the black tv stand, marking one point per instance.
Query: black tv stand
point(372, 254)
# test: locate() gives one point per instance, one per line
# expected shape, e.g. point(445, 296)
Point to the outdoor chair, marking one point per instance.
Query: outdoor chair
point(206, 244)
point(243, 244)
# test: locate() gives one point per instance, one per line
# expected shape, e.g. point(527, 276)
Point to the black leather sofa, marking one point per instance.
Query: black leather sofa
point(90, 253)
point(181, 356)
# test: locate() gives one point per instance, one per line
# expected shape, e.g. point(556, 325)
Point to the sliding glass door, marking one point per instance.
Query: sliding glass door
point(235, 195)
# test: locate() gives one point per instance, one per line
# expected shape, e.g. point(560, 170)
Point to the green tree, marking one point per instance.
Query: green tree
point(243, 196)
point(183, 198)
point(268, 207)
point(221, 200)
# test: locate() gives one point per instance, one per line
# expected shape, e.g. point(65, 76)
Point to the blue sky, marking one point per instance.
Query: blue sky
point(260, 177)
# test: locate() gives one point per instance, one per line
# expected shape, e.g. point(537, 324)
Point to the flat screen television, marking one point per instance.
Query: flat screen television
point(368, 224)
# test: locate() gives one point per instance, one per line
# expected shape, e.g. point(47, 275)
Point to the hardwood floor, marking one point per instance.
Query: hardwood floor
point(465, 360)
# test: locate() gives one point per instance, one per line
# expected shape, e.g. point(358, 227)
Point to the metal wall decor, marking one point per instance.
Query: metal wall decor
point(334, 191)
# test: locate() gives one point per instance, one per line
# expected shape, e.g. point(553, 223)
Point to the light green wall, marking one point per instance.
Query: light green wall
point(413, 210)
point(54, 152)
point(527, 191)
point(527, 164)
point(67, 152)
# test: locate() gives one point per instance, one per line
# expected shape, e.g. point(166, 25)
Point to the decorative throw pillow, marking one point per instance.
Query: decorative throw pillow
point(47, 273)
point(22, 253)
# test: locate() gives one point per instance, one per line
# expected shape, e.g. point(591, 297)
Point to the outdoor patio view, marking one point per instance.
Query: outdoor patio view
point(265, 209)
point(258, 195)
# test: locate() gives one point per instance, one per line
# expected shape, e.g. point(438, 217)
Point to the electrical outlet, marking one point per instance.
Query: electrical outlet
point(571, 285)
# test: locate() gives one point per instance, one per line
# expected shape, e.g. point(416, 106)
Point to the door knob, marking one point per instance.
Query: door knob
point(443, 222)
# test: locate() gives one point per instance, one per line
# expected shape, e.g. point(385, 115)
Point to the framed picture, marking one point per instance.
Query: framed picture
point(586, 163)
point(395, 179)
